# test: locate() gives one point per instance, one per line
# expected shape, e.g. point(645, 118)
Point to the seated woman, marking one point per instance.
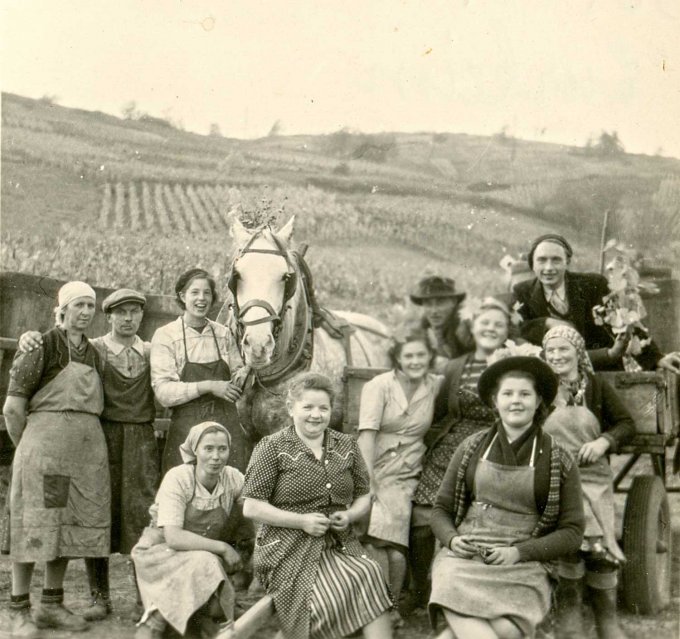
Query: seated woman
point(590, 422)
point(459, 412)
point(307, 485)
point(510, 501)
point(182, 559)
point(193, 362)
point(395, 413)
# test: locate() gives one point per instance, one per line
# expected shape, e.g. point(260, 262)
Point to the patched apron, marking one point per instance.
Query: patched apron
point(60, 496)
point(179, 582)
point(503, 514)
point(572, 427)
point(205, 408)
point(127, 422)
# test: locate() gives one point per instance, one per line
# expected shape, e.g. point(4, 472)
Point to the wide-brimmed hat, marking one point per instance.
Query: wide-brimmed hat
point(435, 286)
point(122, 296)
point(546, 380)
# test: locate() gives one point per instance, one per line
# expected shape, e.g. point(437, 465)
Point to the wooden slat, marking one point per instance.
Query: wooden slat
point(8, 344)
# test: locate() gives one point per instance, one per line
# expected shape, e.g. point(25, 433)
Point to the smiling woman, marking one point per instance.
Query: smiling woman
point(193, 361)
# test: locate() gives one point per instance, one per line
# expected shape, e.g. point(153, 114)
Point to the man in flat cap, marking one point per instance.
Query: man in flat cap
point(557, 294)
point(439, 300)
point(127, 422)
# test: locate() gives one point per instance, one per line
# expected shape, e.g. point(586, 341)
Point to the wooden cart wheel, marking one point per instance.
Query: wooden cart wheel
point(647, 546)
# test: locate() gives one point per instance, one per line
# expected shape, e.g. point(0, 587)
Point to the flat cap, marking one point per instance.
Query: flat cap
point(121, 296)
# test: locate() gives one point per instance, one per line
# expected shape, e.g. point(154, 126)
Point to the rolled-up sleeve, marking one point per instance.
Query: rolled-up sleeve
point(172, 501)
point(26, 373)
point(372, 405)
point(359, 472)
point(167, 387)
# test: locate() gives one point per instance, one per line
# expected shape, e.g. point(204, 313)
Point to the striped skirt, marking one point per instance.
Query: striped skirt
point(349, 593)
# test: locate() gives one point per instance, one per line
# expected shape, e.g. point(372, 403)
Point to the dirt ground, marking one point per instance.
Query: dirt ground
point(120, 624)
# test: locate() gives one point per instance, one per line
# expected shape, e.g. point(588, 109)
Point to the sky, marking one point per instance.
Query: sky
point(542, 69)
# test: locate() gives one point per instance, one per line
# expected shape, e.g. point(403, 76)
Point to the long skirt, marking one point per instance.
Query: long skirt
point(349, 592)
point(178, 582)
point(471, 587)
point(60, 494)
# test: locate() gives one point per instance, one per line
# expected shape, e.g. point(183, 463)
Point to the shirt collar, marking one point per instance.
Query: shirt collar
point(117, 348)
point(560, 292)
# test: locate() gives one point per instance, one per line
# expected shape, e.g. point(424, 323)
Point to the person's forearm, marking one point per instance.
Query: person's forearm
point(15, 422)
point(265, 513)
point(171, 393)
point(359, 508)
point(366, 442)
point(180, 539)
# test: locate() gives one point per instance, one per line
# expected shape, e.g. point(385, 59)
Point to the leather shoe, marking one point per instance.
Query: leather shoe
point(99, 608)
point(55, 615)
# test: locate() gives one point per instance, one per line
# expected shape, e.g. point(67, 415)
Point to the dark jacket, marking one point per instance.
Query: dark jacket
point(584, 291)
point(457, 339)
point(615, 421)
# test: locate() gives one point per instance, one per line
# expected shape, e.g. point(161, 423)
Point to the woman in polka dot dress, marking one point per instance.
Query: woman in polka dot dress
point(307, 485)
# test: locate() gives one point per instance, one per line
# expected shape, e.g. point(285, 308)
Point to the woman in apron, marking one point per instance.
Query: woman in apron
point(182, 559)
point(192, 364)
point(395, 413)
point(590, 421)
point(510, 502)
point(60, 493)
point(459, 412)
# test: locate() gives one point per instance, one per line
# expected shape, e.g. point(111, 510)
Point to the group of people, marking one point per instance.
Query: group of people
point(479, 476)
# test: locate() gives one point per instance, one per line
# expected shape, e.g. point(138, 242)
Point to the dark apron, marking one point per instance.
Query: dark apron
point(205, 408)
point(127, 422)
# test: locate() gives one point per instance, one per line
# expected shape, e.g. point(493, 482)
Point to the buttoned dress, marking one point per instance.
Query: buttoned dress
point(400, 426)
point(323, 586)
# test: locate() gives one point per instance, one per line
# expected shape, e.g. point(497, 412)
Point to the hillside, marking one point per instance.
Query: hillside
point(133, 201)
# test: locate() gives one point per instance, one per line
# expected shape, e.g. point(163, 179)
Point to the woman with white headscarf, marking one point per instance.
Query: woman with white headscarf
point(590, 421)
point(182, 559)
point(60, 493)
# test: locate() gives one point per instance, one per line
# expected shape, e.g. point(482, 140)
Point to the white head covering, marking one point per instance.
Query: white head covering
point(73, 290)
point(188, 449)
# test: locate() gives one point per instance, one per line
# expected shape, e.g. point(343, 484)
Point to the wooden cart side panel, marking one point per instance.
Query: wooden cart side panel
point(353, 381)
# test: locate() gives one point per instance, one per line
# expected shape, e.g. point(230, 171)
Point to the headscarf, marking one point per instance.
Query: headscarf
point(73, 290)
point(576, 391)
point(188, 449)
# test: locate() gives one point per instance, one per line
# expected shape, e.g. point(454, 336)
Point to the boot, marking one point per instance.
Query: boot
point(55, 615)
point(98, 578)
point(603, 602)
point(18, 624)
point(568, 598)
point(421, 553)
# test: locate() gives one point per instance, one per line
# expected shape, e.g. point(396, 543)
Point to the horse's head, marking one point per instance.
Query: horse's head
point(262, 280)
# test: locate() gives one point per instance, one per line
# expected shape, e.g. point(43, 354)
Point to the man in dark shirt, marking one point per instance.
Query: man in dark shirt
point(562, 295)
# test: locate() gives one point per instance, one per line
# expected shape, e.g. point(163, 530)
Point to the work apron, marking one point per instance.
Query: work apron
point(179, 582)
point(205, 408)
point(127, 422)
point(572, 427)
point(503, 514)
point(60, 499)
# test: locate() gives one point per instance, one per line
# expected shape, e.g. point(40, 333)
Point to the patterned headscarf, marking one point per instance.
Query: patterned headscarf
point(188, 449)
point(576, 391)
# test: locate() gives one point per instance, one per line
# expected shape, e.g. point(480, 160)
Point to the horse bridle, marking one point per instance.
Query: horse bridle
point(290, 285)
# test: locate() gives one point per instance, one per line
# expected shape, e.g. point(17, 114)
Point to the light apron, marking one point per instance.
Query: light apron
point(60, 495)
point(503, 514)
point(572, 427)
point(127, 422)
point(179, 582)
point(205, 408)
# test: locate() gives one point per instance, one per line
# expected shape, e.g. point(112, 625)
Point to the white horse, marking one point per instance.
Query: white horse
point(271, 311)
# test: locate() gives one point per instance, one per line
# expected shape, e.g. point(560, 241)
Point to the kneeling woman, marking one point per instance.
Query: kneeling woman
point(307, 485)
point(182, 559)
point(510, 501)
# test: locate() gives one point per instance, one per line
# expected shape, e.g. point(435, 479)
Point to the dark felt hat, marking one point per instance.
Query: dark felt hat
point(435, 286)
point(121, 296)
point(546, 380)
point(549, 237)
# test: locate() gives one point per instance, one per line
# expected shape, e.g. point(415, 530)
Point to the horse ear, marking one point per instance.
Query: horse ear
point(239, 232)
point(286, 232)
